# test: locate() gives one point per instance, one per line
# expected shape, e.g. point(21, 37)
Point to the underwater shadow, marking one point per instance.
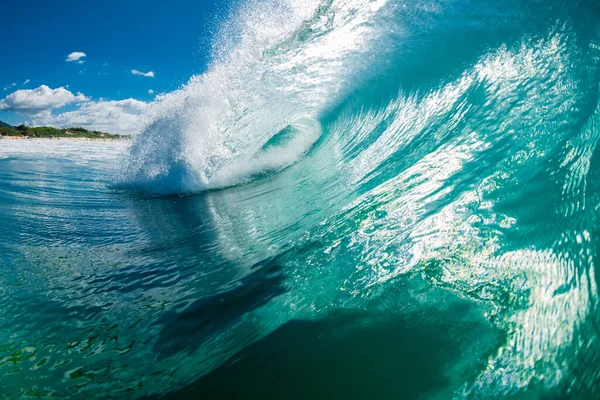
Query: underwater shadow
point(207, 317)
point(352, 356)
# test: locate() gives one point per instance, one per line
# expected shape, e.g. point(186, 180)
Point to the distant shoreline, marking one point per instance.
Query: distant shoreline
point(48, 132)
point(2, 137)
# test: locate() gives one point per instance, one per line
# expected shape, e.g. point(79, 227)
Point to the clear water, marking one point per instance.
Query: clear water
point(357, 200)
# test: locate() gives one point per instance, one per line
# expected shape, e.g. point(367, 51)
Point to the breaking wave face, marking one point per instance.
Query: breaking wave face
point(448, 139)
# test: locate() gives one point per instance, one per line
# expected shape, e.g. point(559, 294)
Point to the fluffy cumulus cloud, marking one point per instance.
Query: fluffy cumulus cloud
point(122, 116)
point(76, 56)
point(150, 91)
point(42, 104)
point(36, 101)
point(149, 74)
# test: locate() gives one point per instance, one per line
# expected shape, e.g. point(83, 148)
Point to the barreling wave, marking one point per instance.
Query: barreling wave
point(275, 65)
point(462, 138)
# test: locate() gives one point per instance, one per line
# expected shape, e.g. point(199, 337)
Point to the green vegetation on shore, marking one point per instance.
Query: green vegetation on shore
point(46, 132)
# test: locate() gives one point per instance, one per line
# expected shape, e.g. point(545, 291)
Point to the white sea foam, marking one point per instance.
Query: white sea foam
point(274, 63)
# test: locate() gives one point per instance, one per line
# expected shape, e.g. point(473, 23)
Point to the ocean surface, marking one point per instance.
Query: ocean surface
point(357, 200)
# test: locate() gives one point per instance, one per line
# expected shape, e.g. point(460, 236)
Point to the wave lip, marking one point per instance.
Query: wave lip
point(275, 63)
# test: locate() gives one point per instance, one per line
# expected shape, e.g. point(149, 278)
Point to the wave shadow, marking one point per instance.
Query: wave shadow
point(353, 356)
point(207, 317)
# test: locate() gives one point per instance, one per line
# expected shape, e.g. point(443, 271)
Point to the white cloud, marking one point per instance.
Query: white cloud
point(150, 91)
point(14, 84)
point(26, 82)
point(35, 101)
point(149, 74)
point(76, 56)
point(122, 116)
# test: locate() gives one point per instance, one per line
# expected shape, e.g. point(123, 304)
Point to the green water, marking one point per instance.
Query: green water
point(373, 200)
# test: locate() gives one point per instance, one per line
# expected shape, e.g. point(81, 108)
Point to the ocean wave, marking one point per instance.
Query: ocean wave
point(460, 137)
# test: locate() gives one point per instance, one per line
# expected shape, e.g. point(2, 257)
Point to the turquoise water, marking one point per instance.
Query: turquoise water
point(357, 200)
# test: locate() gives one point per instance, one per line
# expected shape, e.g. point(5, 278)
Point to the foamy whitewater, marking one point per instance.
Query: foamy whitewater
point(357, 199)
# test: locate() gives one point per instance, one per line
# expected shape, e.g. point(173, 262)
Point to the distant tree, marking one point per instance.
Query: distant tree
point(78, 129)
point(22, 128)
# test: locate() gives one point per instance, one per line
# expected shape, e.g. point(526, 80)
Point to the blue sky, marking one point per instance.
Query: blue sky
point(168, 42)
